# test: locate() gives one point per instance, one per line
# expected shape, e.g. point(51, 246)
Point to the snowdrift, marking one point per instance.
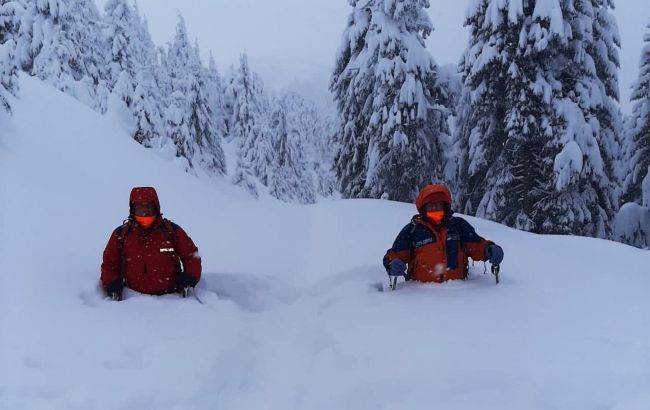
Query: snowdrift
point(291, 317)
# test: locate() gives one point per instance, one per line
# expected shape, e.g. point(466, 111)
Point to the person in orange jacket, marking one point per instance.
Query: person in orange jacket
point(436, 245)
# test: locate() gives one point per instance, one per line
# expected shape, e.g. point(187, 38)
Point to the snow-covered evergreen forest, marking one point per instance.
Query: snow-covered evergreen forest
point(527, 130)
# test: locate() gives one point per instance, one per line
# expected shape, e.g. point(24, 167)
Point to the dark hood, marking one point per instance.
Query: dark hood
point(143, 194)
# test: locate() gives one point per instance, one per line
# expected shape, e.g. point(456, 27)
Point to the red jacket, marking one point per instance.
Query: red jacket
point(152, 258)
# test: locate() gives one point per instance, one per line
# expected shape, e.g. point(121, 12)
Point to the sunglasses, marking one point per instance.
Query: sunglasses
point(144, 209)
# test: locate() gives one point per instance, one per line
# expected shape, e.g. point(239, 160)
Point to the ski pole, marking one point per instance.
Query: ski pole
point(495, 272)
point(197, 296)
point(393, 282)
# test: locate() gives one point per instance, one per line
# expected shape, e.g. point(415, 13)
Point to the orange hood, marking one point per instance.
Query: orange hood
point(431, 193)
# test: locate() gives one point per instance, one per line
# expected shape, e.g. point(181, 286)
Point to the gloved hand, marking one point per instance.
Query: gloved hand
point(184, 280)
point(397, 268)
point(114, 290)
point(494, 254)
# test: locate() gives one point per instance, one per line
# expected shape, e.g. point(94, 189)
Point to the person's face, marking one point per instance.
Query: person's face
point(144, 209)
point(434, 206)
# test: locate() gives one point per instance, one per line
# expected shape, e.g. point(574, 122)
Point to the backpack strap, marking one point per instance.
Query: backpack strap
point(122, 231)
point(414, 224)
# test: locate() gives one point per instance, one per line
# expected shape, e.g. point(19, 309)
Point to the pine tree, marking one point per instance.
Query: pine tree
point(10, 13)
point(205, 133)
point(290, 178)
point(632, 223)
point(120, 20)
point(505, 113)
point(58, 42)
point(637, 148)
point(86, 35)
point(394, 114)
point(215, 91)
point(584, 201)
point(147, 94)
point(189, 117)
point(316, 127)
point(538, 116)
point(249, 127)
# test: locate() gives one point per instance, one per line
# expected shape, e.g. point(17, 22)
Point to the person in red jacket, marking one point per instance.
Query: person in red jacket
point(149, 253)
point(436, 245)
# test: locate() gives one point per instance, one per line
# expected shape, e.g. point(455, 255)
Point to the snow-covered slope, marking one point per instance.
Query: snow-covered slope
point(291, 318)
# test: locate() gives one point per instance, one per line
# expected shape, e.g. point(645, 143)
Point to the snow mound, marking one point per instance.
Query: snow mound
point(290, 317)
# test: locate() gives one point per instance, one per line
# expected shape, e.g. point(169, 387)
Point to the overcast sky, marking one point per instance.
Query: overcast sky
point(295, 41)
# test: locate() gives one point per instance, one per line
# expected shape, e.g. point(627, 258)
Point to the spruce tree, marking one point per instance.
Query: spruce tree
point(85, 32)
point(147, 94)
point(316, 127)
point(204, 132)
point(632, 223)
point(637, 148)
point(538, 116)
point(215, 91)
point(120, 20)
point(189, 117)
point(290, 178)
point(10, 13)
point(249, 127)
point(394, 114)
point(59, 42)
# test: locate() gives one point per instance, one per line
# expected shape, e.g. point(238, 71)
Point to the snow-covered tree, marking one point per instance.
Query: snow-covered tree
point(121, 34)
point(505, 112)
point(10, 14)
point(589, 121)
point(632, 224)
point(637, 147)
point(538, 116)
point(189, 117)
point(215, 91)
point(290, 176)
point(147, 95)
point(59, 42)
point(249, 127)
point(393, 112)
point(205, 133)
point(315, 127)
point(86, 35)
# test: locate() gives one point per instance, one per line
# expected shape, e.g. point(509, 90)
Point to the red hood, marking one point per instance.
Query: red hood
point(144, 194)
point(432, 193)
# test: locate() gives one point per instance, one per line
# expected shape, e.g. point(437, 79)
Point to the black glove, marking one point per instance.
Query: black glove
point(494, 254)
point(184, 280)
point(114, 289)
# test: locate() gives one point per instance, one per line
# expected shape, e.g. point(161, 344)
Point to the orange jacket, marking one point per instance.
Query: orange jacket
point(437, 254)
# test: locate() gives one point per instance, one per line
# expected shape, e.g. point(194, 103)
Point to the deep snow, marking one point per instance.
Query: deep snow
point(291, 319)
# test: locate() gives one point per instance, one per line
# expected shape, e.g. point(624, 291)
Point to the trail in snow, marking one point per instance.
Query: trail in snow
point(291, 318)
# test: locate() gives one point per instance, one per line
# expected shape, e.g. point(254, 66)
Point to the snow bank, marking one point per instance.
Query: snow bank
point(291, 317)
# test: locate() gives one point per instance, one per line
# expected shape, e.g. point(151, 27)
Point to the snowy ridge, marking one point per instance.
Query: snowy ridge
point(291, 317)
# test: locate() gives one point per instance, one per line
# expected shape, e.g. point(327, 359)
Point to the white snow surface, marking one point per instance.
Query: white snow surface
point(291, 318)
